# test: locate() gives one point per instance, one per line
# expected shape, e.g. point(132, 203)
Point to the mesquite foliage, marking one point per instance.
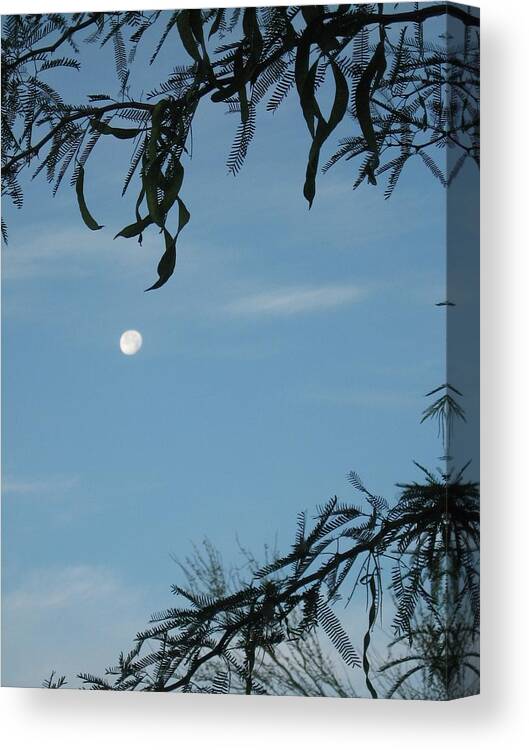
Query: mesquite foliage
point(377, 91)
point(370, 73)
point(421, 551)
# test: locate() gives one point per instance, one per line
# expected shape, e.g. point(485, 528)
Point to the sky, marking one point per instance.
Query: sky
point(290, 347)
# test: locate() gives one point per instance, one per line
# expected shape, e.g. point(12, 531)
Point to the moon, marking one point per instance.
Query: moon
point(130, 342)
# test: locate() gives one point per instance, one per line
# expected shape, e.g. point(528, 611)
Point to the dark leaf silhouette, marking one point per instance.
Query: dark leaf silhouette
point(88, 219)
point(364, 63)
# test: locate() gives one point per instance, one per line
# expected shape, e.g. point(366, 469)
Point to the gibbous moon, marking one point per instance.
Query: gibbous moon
point(130, 342)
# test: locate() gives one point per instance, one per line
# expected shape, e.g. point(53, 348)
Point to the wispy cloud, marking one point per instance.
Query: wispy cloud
point(50, 486)
point(71, 619)
point(45, 252)
point(297, 300)
point(56, 588)
point(53, 251)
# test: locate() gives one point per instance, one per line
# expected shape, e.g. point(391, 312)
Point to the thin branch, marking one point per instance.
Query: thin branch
point(52, 47)
point(89, 112)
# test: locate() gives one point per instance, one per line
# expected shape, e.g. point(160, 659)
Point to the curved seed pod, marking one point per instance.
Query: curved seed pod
point(367, 636)
point(122, 133)
point(324, 129)
point(87, 217)
point(307, 99)
point(156, 123)
point(171, 187)
point(167, 262)
point(185, 30)
point(133, 230)
point(252, 32)
point(215, 26)
point(152, 176)
point(369, 80)
point(301, 70)
point(139, 201)
point(341, 97)
point(243, 73)
point(238, 74)
point(152, 182)
point(196, 24)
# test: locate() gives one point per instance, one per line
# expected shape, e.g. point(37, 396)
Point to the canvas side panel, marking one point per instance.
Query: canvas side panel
point(462, 358)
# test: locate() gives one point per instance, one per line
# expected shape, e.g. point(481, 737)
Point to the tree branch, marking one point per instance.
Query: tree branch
point(92, 112)
point(52, 47)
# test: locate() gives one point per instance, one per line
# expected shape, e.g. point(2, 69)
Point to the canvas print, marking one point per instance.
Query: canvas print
point(240, 338)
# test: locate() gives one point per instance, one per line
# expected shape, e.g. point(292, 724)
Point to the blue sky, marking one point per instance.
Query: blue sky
point(288, 348)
